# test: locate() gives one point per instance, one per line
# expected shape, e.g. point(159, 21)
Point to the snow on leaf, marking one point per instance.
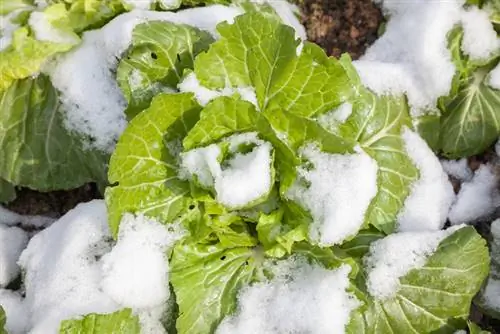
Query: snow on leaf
point(36, 149)
point(430, 298)
point(159, 53)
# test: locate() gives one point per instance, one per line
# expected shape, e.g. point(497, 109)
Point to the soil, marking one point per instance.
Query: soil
point(340, 26)
point(52, 204)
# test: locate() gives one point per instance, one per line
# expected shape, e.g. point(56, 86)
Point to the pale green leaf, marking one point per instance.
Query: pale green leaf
point(435, 297)
point(25, 57)
point(83, 15)
point(120, 322)
point(263, 56)
point(144, 165)
point(475, 329)
point(159, 53)
point(7, 6)
point(36, 150)
point(3, 320)
point(206, 280)
point(471, 120)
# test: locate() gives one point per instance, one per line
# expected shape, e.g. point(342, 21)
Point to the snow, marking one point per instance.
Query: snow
point(91, 97)
point(392, 257)
point(7, 28)
point(135, 272)
point(289, 14)
point(245, 178)
point(459, 169)
point(477, 198)
point(45, 31)
point(430, 198)
point(491, 293)
point(494, 77)
point(10, 218)
point(17, 318)
point(337, 116)
point(139, 4)
point(71, 269)
point(204, 95)
point(480, 38)
point(12, 242)
point(307, 299)
point(411, 56)
point(340, 191)
point(61, 267)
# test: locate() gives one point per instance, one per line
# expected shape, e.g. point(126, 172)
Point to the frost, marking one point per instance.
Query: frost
point(427, 206)
point(340, 190)
point(307, 299)
point(394, 256)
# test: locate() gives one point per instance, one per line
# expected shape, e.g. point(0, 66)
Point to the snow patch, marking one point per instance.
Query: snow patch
point(12, 242)
point(341, 187)
point(302, 300)
point(477, 198)
point(459, 169)
point(10, 218)
point(204, 95)
point(135, 272)
point(394, 256)
point(17, 317)
point(7, 28)
point(245, 178)
point(91, 97)
point(45, 31)
point(62, 273)
point(411, 56)
point(427, 206)
point(480, 38)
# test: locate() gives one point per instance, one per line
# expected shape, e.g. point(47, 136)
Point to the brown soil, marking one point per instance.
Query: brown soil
point(340, 26)
point(52, 204)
